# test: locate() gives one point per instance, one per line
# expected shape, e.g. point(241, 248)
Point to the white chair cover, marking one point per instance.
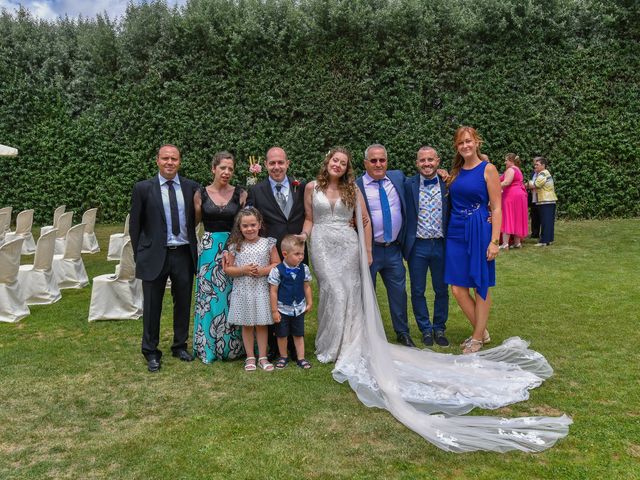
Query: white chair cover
point(89, 241)
point(4, 225)
point(37, 282)
point(68, 267)
point(24, 222)
point(4, 222)
point(117, 296)
point(64, 224)
point(56, 217)
point(12, 304)
point(117, 241)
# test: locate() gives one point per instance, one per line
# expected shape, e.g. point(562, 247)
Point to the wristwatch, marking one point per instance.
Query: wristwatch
point(496, 242)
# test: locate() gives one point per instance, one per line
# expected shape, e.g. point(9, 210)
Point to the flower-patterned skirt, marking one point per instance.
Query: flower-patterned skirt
point(213, 337)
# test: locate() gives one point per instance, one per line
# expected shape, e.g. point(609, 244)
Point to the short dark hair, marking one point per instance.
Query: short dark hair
point(541, 160)
point(168, 145)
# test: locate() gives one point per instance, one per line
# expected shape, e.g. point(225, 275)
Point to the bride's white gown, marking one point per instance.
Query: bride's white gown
point(414, 385)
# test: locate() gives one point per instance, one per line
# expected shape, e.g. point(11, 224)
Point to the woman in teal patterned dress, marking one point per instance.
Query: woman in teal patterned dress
point(216, 205)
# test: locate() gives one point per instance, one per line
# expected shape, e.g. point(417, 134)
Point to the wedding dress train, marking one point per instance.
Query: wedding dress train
point(426, 391)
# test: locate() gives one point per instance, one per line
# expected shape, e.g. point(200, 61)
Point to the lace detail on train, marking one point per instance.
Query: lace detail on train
point(414, 384)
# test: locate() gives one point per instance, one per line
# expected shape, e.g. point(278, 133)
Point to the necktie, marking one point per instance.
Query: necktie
point(280, 198)
point(432, 181)
point(386, 212)
point(173, 206)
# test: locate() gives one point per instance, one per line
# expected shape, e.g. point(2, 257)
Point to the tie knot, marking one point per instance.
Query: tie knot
point(278, 186)
point(170, 183)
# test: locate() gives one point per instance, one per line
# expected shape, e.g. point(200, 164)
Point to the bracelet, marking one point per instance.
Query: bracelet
point(495, 242)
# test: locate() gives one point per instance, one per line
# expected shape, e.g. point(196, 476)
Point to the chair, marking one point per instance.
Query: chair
point(64, 224)
point(4, 227)
point(24, 222)
point(68, 267)
point(89, 240)
point(37, 282)
point(117, 296)
point(4, 222)
point(56, 217)
point(117, 241)
point(12, 305)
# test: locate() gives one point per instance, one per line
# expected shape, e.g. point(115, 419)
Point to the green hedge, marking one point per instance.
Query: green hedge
point(88, 101)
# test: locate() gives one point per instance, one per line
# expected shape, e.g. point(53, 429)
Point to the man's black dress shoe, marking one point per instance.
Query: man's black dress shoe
point(153, 365)
point(440, 338)
point(183, 355)
point(405, 340)
point(427, 339)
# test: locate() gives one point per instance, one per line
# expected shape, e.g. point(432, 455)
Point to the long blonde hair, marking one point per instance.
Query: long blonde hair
point(458, 160)
point(346, 183)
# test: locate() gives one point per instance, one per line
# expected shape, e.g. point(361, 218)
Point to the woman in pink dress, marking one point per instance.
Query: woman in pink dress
point(514, 204)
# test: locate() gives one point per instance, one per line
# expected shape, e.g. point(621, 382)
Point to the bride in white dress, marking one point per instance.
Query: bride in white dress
point(424, 390)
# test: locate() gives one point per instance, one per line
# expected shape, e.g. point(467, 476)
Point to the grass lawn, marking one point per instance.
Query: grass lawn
point(76, 400)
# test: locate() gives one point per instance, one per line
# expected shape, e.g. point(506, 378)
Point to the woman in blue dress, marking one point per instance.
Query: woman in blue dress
point(216, 205)
point(472, 241)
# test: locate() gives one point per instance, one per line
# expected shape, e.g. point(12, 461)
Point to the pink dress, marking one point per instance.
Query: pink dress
point(514, 206)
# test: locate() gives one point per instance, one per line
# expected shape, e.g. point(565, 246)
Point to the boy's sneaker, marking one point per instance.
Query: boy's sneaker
point(427, 339)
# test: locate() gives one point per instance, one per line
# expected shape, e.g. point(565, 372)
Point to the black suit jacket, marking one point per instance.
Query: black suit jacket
point(276, 225)
point(148, 226)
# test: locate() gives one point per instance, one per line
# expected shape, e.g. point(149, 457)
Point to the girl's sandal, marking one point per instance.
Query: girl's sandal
point(486, 338)
point(265, 364)
point(465, 341)
point(303, 364)
point(473, 346)
point(282, 362)
point(250, 364)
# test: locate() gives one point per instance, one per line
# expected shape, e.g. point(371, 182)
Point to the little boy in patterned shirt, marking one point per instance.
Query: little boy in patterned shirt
point(290, 294)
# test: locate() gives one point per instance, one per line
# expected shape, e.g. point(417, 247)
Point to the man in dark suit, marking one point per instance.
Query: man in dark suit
point(427, 215)
point(163, 236)
point(280, 200)
point(383, 192)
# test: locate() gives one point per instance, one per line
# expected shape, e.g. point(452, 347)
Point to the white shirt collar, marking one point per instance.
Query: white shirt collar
point(369, 180)
point(176, 179)
point(284, 183)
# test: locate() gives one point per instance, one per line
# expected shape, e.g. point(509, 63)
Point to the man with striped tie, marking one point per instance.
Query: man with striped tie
point(383, 192)
point(427, 214)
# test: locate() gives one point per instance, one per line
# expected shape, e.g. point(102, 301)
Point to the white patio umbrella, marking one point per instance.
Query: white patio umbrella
point(8, 151)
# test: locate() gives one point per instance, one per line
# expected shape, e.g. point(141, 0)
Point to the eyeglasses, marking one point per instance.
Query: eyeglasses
point(377, 160)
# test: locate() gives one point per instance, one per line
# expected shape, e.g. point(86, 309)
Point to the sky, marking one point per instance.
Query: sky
point(52, 9)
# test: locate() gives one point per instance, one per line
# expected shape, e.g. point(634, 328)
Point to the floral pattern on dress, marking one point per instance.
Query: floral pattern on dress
point(213, 337)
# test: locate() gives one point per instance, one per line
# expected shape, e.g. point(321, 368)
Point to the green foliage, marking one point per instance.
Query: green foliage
point(88, 101)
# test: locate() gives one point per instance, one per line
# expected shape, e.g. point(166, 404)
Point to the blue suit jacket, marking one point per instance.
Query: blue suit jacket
point(412, 195)
point(398, 180)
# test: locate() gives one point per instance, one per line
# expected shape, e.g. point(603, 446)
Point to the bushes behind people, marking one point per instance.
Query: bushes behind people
point(88, 101)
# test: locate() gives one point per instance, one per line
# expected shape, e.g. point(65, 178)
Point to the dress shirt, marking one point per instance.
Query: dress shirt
point(371, 188)
point(173, 240)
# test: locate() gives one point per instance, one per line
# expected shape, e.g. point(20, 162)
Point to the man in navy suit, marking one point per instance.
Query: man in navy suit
point(163, 237)
point(383, 192)
point(427, 215)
